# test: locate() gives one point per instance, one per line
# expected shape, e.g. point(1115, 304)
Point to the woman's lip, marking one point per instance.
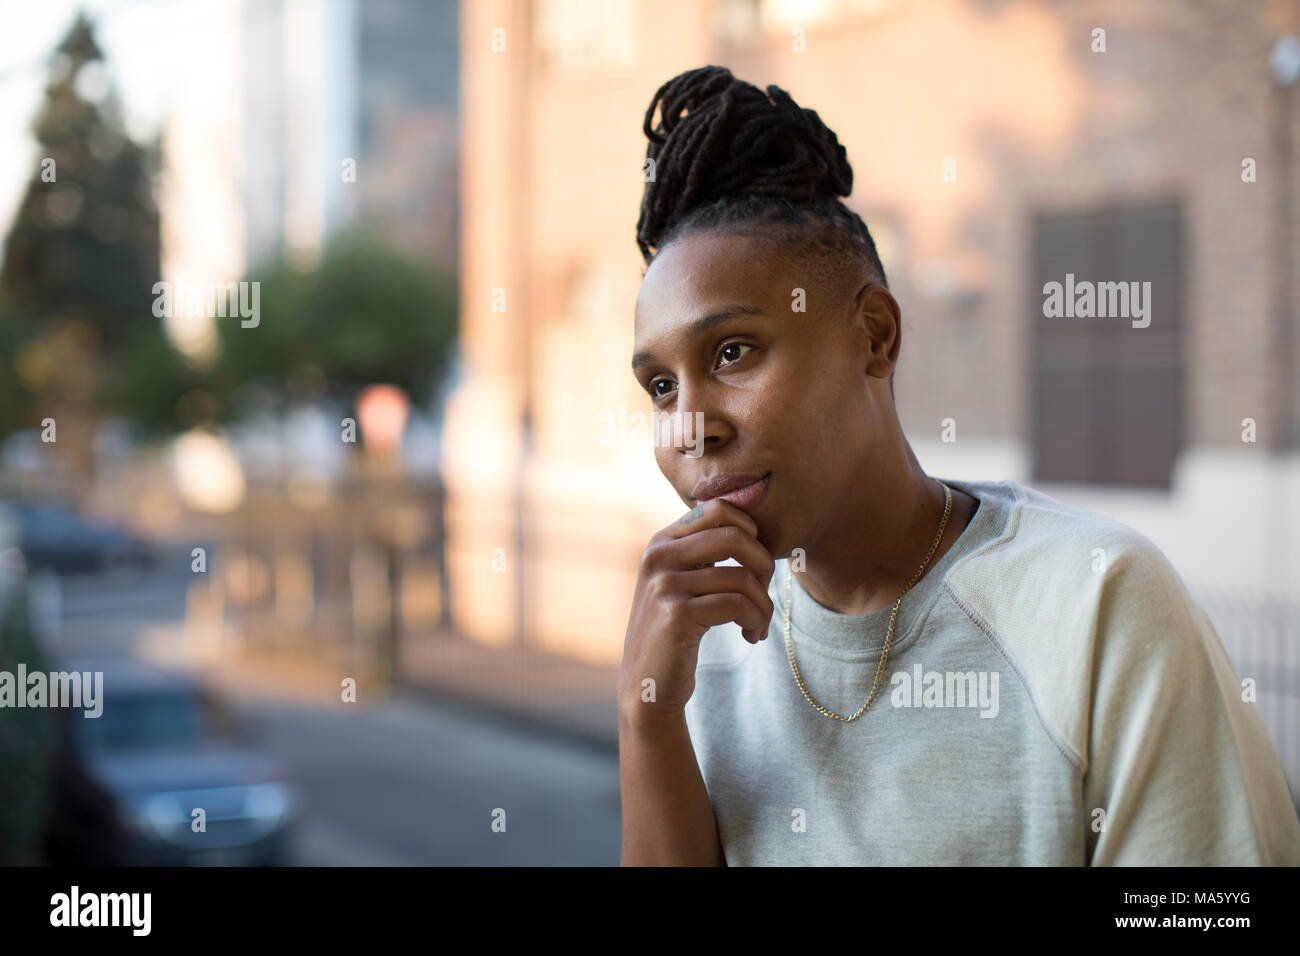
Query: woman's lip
point(749, 496)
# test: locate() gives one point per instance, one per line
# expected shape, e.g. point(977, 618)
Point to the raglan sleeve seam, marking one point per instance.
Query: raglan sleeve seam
point(1062, 745)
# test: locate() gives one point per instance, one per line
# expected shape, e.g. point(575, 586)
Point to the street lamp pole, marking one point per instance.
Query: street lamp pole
point(382, 411)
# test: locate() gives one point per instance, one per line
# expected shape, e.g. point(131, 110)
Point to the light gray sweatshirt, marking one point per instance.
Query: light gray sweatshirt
point(1052, 696)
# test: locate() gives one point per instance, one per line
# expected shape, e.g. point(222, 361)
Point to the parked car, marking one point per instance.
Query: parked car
point(130, 781)
point(54, 536)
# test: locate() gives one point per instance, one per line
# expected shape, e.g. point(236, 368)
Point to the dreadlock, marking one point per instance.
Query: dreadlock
point(724, 154)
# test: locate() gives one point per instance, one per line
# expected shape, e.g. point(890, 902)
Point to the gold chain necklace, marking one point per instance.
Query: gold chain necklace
point(789, 645)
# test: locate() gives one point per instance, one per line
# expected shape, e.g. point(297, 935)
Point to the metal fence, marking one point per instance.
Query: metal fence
point(365, 581)
point(1262, 636)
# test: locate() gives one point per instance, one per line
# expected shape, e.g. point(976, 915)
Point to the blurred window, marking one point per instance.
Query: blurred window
point(578, 36)
point(1106, 399)
point(737, 20)
point(150, 721)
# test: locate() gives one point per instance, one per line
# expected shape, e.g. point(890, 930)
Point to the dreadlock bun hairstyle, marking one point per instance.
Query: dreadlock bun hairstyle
point(727, 155)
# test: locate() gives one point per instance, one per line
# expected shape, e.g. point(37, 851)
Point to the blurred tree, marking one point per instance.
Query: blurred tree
point(16, 405)
point(365, 314)
point(80, 263)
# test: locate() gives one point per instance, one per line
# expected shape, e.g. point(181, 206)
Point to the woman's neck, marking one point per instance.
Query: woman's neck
point(880, 536)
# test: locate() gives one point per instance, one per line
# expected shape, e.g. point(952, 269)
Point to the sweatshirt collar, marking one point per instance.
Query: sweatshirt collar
point(861, 637)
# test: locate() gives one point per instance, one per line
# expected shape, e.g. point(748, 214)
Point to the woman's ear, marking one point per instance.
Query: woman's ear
point(876, 315)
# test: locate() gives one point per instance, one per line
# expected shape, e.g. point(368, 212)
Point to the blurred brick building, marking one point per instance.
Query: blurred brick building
point(996, 146)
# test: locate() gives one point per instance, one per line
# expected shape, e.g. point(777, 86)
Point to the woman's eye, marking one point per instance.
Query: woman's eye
point(729, 354)
point(733, 349)
point(652, 388)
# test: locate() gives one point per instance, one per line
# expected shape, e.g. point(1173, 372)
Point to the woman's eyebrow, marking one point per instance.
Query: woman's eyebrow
point(701, 325)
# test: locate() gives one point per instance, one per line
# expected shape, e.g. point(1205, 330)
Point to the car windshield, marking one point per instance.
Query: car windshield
point(174, 719)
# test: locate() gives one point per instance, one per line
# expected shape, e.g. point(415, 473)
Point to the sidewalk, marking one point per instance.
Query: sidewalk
point(558, 692)
point(524, 687)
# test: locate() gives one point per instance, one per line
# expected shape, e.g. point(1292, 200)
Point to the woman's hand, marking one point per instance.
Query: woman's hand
point(680, 595)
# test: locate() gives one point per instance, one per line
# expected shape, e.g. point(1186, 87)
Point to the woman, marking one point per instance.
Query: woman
point(960, 672)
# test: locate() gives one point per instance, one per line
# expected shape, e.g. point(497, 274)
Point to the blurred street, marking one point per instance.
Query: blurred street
point(413, 783)
point(406, 781)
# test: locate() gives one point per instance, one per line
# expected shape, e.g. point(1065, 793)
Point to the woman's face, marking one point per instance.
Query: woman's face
point(794, 395)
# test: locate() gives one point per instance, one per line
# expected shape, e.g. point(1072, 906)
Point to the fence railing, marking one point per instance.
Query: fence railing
point(366, 580)
point(1262, 637)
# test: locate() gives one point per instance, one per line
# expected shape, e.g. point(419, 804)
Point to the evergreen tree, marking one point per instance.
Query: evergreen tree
point(80, 261)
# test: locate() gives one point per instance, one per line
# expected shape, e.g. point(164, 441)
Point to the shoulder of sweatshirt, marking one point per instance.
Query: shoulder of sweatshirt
point(1072, 599)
